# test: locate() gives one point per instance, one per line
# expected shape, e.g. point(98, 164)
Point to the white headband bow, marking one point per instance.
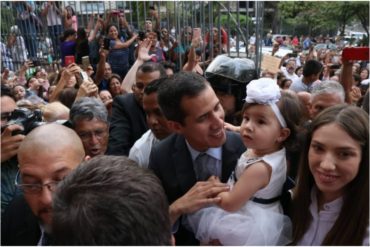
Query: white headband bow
point(265, 91)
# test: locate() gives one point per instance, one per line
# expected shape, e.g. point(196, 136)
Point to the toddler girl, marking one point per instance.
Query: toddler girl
point(251, 213)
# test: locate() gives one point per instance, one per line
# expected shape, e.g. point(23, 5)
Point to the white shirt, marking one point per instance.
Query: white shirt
point(323, 221)
point(140, 151)
point(289, 76)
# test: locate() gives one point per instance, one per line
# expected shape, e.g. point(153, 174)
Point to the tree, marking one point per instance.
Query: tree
point(325, 16)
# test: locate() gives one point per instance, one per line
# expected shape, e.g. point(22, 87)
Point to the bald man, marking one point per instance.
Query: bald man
point(46, 155)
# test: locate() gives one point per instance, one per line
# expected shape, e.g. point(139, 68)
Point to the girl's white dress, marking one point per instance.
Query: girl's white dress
point(253, 224)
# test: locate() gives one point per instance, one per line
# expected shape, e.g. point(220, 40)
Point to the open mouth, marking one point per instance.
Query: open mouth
point(218, 134)
point(95, 151)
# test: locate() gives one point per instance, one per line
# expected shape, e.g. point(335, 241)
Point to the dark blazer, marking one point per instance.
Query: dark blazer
point(19, 226)
point(171, 162)
point(128, 123)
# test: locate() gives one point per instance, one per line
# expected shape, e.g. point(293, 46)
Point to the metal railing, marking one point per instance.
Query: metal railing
point(39, 41)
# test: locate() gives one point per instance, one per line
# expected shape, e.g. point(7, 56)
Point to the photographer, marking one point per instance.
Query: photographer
point(9, 149)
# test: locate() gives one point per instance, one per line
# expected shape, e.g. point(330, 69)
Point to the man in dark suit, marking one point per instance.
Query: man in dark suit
point(195, 114)
point(128, 121)
point(46, 156)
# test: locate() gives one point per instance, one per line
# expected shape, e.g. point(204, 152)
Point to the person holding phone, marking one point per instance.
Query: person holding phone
point(118, 56)
point(68, 45)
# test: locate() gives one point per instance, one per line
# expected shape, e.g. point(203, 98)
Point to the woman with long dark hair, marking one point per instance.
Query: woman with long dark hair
point(331, 200)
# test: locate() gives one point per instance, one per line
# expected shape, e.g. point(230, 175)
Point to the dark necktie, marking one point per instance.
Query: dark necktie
point(205, 167)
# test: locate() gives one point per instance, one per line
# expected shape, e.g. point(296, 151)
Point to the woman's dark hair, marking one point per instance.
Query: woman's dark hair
point(68, 32)
point(198, 52)
point(109, 26)
point(68, 96)
point(353, 220)
point(72, 10)
point(81, 34)
point(298, 68)
point(283, 82)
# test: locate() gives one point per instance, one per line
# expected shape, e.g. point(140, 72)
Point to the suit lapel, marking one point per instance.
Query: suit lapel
point(229, 159)
point(183, 165)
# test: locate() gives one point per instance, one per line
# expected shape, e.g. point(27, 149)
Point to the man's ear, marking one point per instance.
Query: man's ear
point(175, 126)
point(284, 134)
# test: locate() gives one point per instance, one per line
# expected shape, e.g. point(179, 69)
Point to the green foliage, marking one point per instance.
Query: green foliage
point(243, 20)
point(7, 20)
point(325, 16)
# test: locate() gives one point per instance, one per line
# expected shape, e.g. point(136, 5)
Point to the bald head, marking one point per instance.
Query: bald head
point(52, 138)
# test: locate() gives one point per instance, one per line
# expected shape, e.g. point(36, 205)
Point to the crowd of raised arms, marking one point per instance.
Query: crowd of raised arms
point(152, 138)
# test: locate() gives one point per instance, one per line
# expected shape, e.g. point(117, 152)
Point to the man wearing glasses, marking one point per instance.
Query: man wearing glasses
point(46, 155)
point(89, 118)
point(128, 122)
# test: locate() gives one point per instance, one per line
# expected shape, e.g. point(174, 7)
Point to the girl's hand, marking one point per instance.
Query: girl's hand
point(231, 127)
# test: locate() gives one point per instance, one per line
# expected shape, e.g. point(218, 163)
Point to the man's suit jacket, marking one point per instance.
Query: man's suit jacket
point(128, 124)
point(19, 226)
point(172, 163)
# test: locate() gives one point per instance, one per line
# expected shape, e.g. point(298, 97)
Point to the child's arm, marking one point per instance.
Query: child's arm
point(254, 178)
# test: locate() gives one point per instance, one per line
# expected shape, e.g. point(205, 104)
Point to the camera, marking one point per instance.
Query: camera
point(26, 118)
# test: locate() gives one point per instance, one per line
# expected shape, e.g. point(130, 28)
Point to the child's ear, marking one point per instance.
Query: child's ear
point(284, 134)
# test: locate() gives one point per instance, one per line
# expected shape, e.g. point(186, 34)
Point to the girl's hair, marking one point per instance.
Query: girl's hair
point(68, 32)
point(298, 68)
point(291, 109)
point(72, 10)
point(81, 34)
point(352, 222)
point(283, 82)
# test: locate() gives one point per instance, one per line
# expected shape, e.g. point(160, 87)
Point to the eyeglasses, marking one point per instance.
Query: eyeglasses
point(98, 133)
point(35, 188)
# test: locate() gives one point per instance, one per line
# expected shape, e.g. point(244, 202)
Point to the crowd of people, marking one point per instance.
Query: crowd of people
point(144, 138)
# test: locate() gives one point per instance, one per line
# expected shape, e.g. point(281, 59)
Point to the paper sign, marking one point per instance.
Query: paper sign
point(270, 63)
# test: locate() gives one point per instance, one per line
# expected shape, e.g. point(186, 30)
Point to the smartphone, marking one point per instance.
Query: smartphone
point(356, 53)
point(85, 62)
point(68, 60)
point(84, 75)
point(106, 43)
point(197, 32)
